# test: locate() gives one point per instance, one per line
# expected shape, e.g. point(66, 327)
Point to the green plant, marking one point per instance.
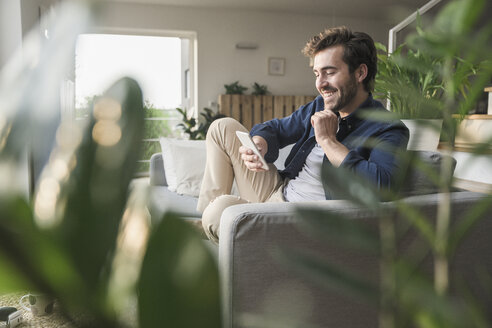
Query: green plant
point(404, 77)
point(190, 127)
point(158, 123)
point(84, 237)
point(413, 79)
point(235, 88)
point(406, 294)
point(260, 89)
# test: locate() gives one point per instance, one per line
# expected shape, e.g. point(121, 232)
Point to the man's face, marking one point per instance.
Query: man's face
point(333, 80)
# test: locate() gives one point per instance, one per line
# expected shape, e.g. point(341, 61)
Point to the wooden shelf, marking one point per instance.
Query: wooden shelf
point(467, 148)
point(475, 117)
point(475, 186)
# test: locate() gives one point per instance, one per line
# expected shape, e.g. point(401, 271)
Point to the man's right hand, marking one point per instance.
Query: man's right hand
point(251, 160)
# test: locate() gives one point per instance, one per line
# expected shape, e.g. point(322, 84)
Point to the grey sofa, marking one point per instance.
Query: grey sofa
point(259, 289)
point(162, 199)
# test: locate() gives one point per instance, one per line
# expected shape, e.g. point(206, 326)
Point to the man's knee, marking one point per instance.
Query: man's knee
point(213, 212)
point(223, 124)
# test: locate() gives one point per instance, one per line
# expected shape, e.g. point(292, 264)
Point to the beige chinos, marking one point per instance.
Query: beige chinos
point(224, 164)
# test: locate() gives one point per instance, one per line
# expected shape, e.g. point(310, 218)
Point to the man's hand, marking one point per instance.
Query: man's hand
point(251, 160)
point(325, 125)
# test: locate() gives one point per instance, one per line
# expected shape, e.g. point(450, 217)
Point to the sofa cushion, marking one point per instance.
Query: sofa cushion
point(422, 171)
point(184, 164)
point(163, 200)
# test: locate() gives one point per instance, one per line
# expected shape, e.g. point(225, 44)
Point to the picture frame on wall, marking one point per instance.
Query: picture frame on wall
point(276, 66)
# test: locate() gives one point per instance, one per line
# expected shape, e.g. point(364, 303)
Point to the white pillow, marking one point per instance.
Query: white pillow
point(184, 164)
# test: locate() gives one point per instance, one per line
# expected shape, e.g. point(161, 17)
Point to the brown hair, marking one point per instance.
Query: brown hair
point(358, 49)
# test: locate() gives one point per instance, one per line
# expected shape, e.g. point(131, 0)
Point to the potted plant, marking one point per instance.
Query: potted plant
point(235, 88)
point(259, 89)
point(189, 125)
point(413, 82)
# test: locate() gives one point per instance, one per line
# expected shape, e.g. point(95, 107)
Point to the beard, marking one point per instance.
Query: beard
point(346, 93)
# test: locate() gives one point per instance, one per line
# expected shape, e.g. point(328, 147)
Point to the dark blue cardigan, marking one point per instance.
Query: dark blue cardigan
point(372, 144)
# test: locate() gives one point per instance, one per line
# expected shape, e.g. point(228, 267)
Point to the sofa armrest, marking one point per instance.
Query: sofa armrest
point(255, 283)
point(156, 171)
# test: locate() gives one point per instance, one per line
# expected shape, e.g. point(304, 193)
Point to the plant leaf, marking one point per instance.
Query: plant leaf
point(179, 284)
point(92, 201)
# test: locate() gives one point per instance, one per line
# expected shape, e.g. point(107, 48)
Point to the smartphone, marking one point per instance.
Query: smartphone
point(246, 140)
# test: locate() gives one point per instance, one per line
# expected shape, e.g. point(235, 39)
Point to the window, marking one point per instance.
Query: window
point(162, 65)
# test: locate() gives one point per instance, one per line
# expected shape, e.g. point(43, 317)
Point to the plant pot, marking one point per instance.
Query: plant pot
point(424, 133)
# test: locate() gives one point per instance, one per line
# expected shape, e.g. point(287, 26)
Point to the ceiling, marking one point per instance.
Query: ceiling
point(388, 10)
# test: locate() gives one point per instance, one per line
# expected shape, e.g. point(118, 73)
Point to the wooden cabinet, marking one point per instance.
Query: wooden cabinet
point(250, 110)
point(473, 153)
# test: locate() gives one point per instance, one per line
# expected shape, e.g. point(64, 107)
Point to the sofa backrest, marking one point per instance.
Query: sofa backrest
point(157, 172)
point(420, 171)
point(157, 175)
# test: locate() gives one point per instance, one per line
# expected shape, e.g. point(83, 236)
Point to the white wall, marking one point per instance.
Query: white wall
point(10, 44)
point(10, 29)
point(30, 10)
point(218, 30)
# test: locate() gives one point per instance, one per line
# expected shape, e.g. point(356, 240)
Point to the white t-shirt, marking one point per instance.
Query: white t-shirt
point(307, 185)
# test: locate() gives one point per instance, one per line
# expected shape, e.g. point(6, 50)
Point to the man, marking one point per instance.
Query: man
point(326, 131)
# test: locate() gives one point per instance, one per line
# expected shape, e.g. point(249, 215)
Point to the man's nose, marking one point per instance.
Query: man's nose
point(323, 82)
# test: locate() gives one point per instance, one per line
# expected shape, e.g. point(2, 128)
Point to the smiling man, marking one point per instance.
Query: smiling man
point(331, 130)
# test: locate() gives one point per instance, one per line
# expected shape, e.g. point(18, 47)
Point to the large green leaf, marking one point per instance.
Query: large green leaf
point(31, 259)
point(92, 201)
point(15, 263)
point(179, 283)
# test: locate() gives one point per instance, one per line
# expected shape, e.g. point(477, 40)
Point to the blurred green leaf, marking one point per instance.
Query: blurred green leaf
point(11, 280)
point(359, 191)
point(179, 283)
point(420, 303)
point(458, 17)
point(15, 264)
point(93, 199)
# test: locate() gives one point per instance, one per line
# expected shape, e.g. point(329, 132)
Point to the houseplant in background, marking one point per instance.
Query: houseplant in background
point(235, 88)
point(402, 80)
point(259, 89)
point(413, 82)
point(195, 129)
point(85, 238)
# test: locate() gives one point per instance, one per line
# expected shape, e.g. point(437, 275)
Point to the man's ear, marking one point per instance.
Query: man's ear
point(361, 72)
